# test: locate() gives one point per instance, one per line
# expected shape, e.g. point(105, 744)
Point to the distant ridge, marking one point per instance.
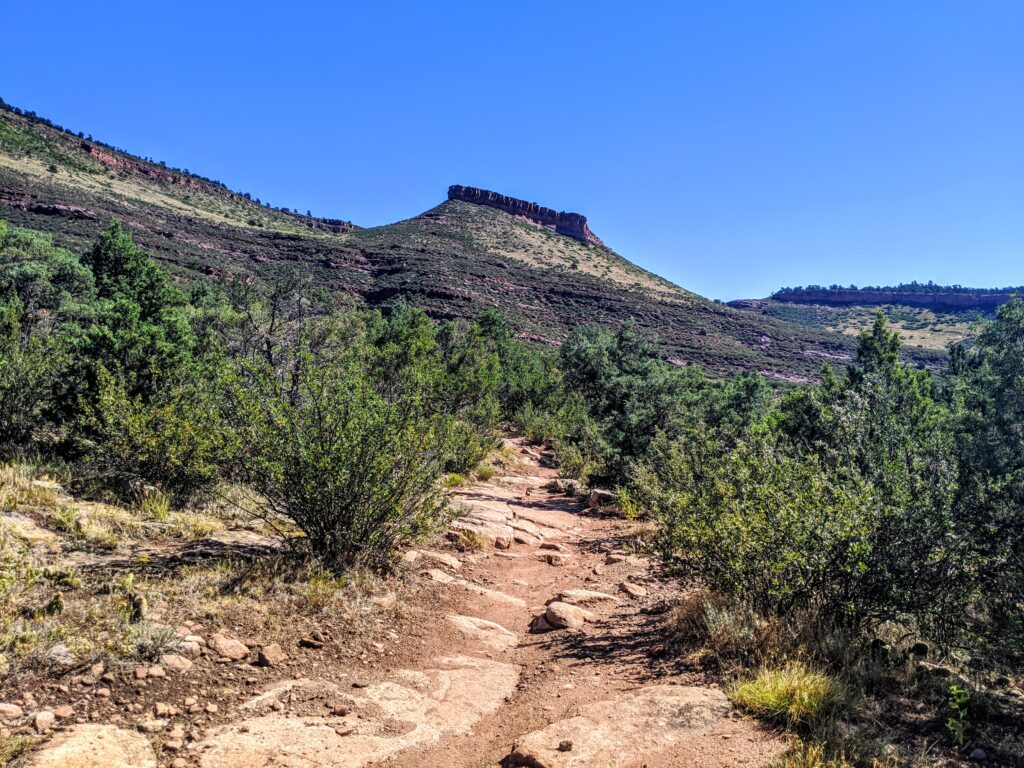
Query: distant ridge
point(572, 225)
point(936, 297)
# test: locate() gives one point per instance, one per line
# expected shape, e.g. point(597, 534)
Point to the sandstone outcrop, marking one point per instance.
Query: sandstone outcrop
point(572, 225)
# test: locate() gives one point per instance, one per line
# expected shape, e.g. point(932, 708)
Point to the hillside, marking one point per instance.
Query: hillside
point(454, 261)
point(928, 317)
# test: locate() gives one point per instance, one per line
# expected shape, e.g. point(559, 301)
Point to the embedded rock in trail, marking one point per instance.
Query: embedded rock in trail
point(435, 574)
point(415, 709)
point(488, 523)
point(95, 746)
point(487, 632)
point(582, 597)
point(622, 732)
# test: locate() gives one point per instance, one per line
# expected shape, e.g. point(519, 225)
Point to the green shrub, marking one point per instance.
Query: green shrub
point(356, 472)
point(176, 441)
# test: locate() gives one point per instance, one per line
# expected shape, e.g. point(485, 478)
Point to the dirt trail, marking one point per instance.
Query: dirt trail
point(477, 679)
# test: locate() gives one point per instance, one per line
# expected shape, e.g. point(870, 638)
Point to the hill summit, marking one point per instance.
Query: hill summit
point(573, 225)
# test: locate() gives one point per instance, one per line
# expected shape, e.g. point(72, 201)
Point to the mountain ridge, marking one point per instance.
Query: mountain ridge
point(454, 261)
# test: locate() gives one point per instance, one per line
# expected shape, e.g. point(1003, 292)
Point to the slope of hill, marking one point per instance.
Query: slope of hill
point(928, 317)
point(455, 260)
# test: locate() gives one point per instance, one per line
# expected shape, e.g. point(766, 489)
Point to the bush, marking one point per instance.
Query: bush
point(176, 441)
point(356, 472)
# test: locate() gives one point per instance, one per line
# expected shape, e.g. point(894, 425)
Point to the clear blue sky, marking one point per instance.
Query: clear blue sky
point(733, 147)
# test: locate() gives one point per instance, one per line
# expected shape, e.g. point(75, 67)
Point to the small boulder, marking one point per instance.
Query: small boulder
point(557, 559)
point(599, 497)
point(228, 647)
point(633, 590)
point(272, 655)
point(9, 712)
point(175, 662)
point(44, 721)
point(566, 616)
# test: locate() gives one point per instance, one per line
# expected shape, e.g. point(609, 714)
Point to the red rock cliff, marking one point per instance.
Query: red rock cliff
point(570, 224)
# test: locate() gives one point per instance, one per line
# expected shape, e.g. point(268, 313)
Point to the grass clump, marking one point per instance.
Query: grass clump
point(794, 695)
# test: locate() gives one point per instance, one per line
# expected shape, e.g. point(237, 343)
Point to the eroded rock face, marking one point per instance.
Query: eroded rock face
point(96, 746)
point(620, 732)
point(572, 225)
point(416, 708)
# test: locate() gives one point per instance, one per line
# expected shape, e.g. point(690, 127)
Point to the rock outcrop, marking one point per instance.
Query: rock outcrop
point(572, 225)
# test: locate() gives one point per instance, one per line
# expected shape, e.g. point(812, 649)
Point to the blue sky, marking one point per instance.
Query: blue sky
point(734, 147)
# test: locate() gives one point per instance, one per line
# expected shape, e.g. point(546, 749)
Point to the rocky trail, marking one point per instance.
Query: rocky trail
point(542, 648)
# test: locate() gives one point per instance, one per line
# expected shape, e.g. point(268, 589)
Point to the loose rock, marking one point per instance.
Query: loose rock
point(229, 647)
point(271, 655)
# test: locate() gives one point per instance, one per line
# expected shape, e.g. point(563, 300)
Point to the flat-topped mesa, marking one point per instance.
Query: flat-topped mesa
point(572, 225)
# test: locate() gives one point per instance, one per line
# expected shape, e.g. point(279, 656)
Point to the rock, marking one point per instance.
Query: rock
point(141, 673)
point(978, 755)
point(10, 712)
point(633, 590)
point(271, 655)
point(44, 721)
point(63, 712)
point(572, 225)
point(415, 708)
point(554, 546)
point(540, 624)
point(97, 669)
point(566, 487)
point(95, 746)
point(175, 663)
point(625, 731)
point(614, 558)
point(599, 497)
point(60, 656)
point(581, 597)
point(149, 725)
point(557, 559)
point(411, 556)
point(228, 647)
point(565, 616)
point(435, 574)
point(444, 558)
point(487, 632)
point(103, 693)
point(187, 647)
point(157, 671)
point(310, 642)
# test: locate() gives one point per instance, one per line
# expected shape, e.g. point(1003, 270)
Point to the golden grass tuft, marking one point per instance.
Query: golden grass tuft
point(794, 695)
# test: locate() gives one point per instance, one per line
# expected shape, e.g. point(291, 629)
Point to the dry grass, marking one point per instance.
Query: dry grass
point(793, 695)
point(23, 484)
point(466, 540)
point(12, 747)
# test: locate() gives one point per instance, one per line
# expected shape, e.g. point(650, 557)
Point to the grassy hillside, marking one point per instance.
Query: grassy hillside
point(453, 261)
point(926, 333)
